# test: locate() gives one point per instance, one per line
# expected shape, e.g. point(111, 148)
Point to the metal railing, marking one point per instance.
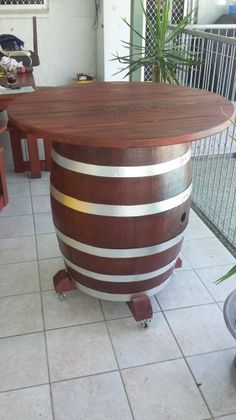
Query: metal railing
point(217, 53)
point(214, 158)
point(179, 9)
point(227, 30)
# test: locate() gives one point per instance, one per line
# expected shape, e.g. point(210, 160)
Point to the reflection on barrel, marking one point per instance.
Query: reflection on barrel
point(120, 215)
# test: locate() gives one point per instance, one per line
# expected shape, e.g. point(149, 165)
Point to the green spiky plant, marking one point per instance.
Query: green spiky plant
point(166, 55)
point(226, 276)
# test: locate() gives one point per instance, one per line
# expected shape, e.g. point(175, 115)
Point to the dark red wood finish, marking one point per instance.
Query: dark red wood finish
point(120, 266)
point(121, 115)
point(129, 191)
point(141, 231)
point(120, 288)
point(121, 232)
point(121, 124)
point(34, 164)
point(63, 283)
point(141, 308)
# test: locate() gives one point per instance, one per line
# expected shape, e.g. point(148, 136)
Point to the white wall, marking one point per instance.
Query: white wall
point(66, 40)
point(209, 11)
point(100, 44)
point(114, 30)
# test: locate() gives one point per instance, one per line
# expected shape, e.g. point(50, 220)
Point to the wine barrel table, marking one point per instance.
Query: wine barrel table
point(121, 180)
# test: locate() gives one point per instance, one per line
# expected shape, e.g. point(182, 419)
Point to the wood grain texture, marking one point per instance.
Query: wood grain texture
point(117, 233)
point(121, 232)
point(109, 232)
point(121, 115)
point(122, 288)
point(120, 266)
point(120, 124)
point(127, 190)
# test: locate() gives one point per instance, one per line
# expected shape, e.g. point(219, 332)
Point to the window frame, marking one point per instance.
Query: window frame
point(18, 8)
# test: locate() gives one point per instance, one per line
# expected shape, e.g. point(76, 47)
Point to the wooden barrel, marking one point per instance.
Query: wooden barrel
point(120, 215)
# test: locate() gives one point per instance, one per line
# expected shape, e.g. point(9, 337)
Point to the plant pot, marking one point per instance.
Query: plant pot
point(229, 312)
point(232, 9)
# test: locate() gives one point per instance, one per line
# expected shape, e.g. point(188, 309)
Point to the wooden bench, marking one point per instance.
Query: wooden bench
point(33, 164)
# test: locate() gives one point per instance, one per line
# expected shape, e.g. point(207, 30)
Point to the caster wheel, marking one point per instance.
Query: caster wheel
point(145, 323)
point(61, 296)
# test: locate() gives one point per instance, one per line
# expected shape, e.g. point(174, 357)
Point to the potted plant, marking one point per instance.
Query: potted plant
point(166, 54)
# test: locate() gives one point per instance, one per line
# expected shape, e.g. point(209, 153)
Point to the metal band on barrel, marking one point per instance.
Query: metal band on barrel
point(118, 297)
point(119, 279)
point(120, 210)
point(121, 171)
point(119, 253)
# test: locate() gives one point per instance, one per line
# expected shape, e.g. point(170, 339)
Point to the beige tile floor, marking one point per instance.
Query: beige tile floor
point(82, 359)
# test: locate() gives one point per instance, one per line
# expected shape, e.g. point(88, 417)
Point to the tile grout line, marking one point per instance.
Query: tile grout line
point(116, 319)
point(26, 214)
point(225, 416)
point(102, 321)
point(106, 321)
point(195, 271)
point(215, 301)
point(119, 370)
point(28, 261)
point(180, 349)
point(74, 378)
point(189, 306)
point(42, 311)
point(33, 292)
point(23, 387)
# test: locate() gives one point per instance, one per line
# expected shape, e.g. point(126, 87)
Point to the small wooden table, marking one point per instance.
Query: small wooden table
point(120, 180)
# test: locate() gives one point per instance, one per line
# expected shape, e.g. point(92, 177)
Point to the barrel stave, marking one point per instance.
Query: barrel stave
point(115, 212)
point(124, 232)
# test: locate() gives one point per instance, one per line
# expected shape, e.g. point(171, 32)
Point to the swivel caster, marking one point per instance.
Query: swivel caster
point(63, 283)
point(145, 323)
point(141, 309)
point(62, 296)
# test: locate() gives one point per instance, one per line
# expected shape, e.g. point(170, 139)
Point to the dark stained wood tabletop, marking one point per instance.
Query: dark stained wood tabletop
point(121, 115)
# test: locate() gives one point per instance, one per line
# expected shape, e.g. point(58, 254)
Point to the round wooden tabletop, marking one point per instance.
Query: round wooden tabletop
point(121, 115)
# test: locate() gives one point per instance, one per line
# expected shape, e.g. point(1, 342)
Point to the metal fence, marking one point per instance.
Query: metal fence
point(217, 53)
point(214, 158)
point(227, 30)
point(179, 9)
